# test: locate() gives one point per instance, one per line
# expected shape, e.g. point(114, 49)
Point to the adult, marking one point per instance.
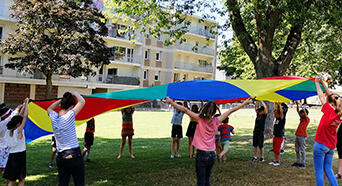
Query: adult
point(326, 137)
point(69, 157)
point(204, 138)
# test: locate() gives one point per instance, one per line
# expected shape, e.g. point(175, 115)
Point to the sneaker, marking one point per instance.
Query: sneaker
point(282, 151)
point(295, 164)
point(51, 166)
point(178, 156)
point(271, 163)
point(271, 150)
point(172, 156)
point(301, 166)
point(276, 163)
point(261, 160)
point(254, 159)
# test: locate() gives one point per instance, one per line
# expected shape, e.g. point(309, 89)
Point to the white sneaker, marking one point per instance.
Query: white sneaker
point(172, 156)
point(277, 163)
point(178, 155)
point(271, 163)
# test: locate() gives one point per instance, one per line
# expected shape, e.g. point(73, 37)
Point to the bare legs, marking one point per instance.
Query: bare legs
point(130, 138)
point(191, 148)
point(174, 141)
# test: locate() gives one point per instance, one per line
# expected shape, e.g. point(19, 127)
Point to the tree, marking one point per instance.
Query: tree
point(56, 37)
point(268, 31)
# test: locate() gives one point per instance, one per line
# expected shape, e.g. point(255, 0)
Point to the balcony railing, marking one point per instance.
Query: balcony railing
point(124, 80)
point(201, 31)
point(132, 60)
point(126, 36)
point(193, 67)
point(196, 49)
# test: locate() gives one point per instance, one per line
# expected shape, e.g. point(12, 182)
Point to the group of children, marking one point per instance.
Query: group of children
point(224, 131)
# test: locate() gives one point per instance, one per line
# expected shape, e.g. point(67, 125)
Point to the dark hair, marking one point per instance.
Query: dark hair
point(332, 98)
point(3, 109)
point(179, 103)
point(14, 121)
point(195, 109)
point(128, 110)
point(68, 100)
point(306, 110)
point(208, 110)
point(260, 109)
point(225, 120)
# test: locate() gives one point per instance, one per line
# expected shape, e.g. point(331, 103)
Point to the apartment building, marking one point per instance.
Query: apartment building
point(142, 63)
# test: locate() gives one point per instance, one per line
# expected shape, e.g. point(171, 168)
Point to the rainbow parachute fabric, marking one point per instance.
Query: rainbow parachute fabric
point(276, 89)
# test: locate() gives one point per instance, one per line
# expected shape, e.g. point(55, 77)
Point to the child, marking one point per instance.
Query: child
point(258, 132)
point(278, 132)
point(53, 152)
point(88, 138)
point(326, 137)
point(6, 115)
point(127, 130)
point(177, 131)
point(301, 136)
point(225, 130)
point(15, 139)
point(191, 130)
point(204, 138)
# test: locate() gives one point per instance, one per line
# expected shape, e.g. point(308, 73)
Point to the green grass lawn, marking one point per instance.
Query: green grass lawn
point(153, 166)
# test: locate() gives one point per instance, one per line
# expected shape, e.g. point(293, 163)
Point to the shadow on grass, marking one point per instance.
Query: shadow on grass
point(153, 166)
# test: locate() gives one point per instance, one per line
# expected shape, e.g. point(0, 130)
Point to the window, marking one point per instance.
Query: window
point(147, 54)
point(160, 38)
point(184, 77)
point(111, 73)
point(1, 32)
point(203, 63)
point(117, 53)
point(175, 77)
point(130, 55)
point(157, 76)
point(145, 74)
point(159, 56)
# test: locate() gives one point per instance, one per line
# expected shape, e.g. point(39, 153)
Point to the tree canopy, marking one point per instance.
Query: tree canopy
point(56, 37)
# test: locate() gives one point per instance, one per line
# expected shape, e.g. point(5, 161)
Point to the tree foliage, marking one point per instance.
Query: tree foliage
point(319, 48)
point(56, 37)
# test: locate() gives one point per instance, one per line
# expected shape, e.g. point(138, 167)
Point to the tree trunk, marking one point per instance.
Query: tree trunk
point(269, 120)
point(48, 90)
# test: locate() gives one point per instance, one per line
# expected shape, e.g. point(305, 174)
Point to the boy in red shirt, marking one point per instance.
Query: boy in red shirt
point(301, 136)
point(225, 130)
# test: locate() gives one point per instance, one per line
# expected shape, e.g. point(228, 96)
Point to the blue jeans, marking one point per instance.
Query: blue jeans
point(323, 157)
point(205, 161)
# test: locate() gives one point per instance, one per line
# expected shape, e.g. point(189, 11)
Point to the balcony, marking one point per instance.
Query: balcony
point(201, 31)
point(124, 80)
point(193, 67)
point(128, 37)
point(194, 49)
point(135, 61)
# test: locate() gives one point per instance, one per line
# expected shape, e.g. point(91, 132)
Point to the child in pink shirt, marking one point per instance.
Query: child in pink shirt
point(204, 138)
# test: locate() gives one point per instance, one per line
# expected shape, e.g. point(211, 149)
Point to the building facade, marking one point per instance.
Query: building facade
point(143, 63)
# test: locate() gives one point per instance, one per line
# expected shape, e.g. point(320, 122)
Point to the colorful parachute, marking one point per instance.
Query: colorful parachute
point(276, 89)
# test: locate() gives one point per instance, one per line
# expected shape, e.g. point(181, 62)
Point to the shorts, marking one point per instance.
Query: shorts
point(258, 139)
point(4, 153)
point(88, 139)
point(127, 134)
point(277, 141)
point(191, 129)
point(16, 166)
point(225, 145)
point(53, 142)
point(177, 131)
